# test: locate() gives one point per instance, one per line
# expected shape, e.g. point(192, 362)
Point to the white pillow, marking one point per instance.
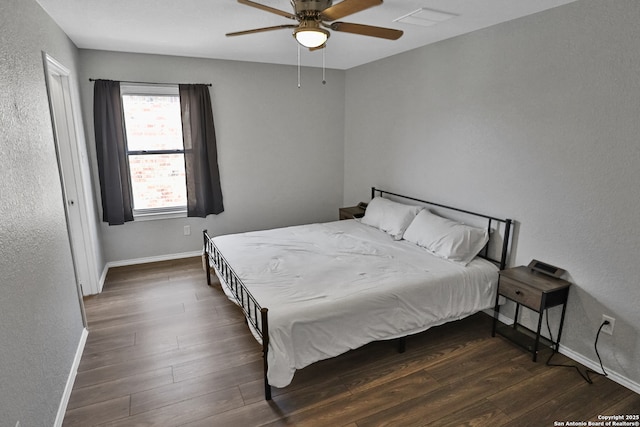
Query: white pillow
point(445, 238)
point(389, 216)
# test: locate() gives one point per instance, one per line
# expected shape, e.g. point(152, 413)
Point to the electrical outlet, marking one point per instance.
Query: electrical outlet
point(608, 329)
point(187, 230)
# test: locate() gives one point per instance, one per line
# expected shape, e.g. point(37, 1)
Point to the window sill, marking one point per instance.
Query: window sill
point(159, 215)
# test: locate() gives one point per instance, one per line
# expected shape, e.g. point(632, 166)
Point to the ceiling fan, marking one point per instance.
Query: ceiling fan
point(314, 16)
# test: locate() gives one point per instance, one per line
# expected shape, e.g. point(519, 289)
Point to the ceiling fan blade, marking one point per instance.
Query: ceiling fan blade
point(267, 8)
point(347, 7)
point(367, 30)
point(260, 30)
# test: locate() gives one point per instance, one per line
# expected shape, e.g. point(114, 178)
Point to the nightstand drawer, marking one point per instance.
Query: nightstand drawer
point(520, 293)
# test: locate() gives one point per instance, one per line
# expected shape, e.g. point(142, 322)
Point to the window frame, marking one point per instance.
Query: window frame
point(141, 89)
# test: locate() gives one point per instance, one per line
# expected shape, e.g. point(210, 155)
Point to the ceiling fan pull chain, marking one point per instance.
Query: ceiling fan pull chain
point(298, 66)
point(324, 74)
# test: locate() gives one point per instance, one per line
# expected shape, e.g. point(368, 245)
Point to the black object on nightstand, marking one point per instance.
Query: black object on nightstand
point(537, 291)
point(353, 212)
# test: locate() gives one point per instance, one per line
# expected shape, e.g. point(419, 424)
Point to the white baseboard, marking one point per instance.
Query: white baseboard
point(585, 361)
point(158, 258)
point(126, 262)
point(501, 317)
point(595, 366)
point(62, 408)
point(103, 277)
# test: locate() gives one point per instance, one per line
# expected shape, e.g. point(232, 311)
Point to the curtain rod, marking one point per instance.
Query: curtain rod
point(147, 83)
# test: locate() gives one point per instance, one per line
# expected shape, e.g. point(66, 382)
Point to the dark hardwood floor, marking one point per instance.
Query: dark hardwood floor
point(164, 349)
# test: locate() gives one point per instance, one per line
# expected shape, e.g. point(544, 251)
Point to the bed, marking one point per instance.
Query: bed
point(312, 292)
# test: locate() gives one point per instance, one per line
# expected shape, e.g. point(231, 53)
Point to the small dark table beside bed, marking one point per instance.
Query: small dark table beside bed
point(312, 292)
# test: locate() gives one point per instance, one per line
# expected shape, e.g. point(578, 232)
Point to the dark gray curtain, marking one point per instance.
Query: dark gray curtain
point(115, 185)
point(204, 195)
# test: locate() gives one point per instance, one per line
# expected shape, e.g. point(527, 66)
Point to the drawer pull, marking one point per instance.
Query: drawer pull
point(518, 292)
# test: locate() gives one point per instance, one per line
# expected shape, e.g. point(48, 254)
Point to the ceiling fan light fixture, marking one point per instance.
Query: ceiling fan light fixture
point(315, 15)
point(311, 36)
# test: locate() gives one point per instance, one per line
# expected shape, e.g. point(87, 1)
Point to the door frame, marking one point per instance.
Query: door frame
point(69, 167)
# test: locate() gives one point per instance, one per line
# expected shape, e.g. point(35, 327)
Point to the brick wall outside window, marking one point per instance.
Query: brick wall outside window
point(153, 123)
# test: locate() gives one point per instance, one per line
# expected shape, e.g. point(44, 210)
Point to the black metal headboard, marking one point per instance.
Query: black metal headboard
point(491, 221)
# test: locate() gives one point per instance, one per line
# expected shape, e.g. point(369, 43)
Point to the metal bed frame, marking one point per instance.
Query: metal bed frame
point(257, 316)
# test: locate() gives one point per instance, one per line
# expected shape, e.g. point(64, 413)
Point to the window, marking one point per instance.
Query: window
point(165, 180)
point(155, 149)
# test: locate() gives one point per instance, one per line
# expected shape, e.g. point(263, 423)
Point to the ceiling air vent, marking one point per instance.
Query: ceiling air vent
point(425, 17)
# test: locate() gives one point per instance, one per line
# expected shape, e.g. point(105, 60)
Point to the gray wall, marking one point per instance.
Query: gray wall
point(40, 319)
point(537, 120)
point(280, 147)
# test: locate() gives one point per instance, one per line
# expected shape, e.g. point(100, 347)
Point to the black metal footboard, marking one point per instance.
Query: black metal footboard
point(255, 314)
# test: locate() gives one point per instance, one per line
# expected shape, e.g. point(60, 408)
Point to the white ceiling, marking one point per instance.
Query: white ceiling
point(197, 28)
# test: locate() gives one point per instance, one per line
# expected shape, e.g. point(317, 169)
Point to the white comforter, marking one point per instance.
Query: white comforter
point(336, 286)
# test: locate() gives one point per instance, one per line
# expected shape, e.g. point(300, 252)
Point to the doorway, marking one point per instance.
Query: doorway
point(67, 151)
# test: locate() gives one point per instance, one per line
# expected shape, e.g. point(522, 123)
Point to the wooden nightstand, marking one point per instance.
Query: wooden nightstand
point(352, 212)
point(537, 292)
